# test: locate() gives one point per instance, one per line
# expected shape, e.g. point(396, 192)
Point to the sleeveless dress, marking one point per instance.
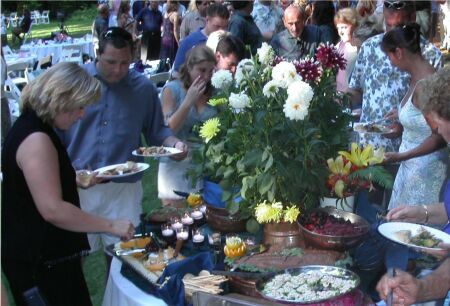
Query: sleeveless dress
point(419, 180)
point(34, 251)
point(171, 173)
point(169, 45)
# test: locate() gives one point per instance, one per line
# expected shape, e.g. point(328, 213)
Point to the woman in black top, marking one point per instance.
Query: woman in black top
point(43, 229)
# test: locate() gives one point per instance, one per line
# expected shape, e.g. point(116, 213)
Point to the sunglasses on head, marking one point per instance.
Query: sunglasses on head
point(396, 5)
point(113, 33)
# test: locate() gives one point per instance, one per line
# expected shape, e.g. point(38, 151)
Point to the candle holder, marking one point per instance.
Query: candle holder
point(187, 219)
point(176, 223)
point(215, 241)
point(198, 217)
point(168, 233)
point(198, 237)
point(183, 233)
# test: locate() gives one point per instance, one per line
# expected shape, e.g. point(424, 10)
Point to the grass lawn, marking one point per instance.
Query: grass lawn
point(78, 24)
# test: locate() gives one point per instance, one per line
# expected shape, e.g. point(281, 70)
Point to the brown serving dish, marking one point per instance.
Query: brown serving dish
point(219, 219)
point(246, 285)
point(336, 242)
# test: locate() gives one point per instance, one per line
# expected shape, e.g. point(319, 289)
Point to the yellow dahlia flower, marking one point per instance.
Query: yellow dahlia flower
point(210, 129)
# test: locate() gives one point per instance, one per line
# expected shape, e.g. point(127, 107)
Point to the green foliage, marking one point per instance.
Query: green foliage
point(376, 174)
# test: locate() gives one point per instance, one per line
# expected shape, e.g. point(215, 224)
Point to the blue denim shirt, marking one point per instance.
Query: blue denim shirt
point(111, 128)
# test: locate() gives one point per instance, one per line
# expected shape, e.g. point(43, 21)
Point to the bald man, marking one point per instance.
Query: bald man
point(298, 40)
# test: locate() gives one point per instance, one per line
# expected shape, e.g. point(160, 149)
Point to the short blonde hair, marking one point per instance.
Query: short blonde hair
point(346, 15)
point(64, 87)
point(435, 94)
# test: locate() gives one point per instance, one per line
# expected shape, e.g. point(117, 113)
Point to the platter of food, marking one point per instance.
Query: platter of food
point(121, 170)
point(143, 256)
point(414, 235)
point(308, 284)
point(156, 151)
point(368, 128)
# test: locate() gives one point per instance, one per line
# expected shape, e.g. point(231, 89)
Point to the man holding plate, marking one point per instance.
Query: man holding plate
point(111, 129)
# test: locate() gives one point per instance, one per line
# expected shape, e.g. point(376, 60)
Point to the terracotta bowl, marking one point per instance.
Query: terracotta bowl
point(336, 243)
point(220, 220)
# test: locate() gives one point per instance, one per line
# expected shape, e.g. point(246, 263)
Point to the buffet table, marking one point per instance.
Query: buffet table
point(121, 292)
point(25, 58)
point(55, 49)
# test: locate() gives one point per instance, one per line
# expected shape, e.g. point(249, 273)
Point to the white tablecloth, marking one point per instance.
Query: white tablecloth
point(55, 49)
point(28, 58)
point(121, 292)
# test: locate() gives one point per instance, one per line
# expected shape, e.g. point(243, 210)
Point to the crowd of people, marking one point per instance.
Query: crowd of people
point(78, 118)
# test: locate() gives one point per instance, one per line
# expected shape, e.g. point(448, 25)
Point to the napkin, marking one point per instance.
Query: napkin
point(173, 290)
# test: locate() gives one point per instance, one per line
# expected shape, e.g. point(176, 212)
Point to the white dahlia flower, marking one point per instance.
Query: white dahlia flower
point(222, 79)
point(239, 101)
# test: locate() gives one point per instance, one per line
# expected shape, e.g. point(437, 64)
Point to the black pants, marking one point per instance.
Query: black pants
point(150, 45)
point(61, 285)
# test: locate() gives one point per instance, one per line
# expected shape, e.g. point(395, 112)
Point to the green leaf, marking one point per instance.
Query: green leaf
point(375, 174)
point(233, 207)
point(252, 226)
point(226, 196)
point(265, 182)
point(269, 163)
point(252, 158)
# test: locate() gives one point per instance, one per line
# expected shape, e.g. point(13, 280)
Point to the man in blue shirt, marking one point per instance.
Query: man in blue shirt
point(150, 20)
point(298, 40)
point(216, 19)
point(111, 129)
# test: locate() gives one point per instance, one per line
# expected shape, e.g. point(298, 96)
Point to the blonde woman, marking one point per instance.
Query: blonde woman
point(346, 21)
point(39, 192)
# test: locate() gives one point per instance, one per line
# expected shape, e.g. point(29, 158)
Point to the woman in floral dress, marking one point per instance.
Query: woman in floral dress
point(423, 167)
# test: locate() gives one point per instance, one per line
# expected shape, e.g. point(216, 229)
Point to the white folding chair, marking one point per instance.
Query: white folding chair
point(13, 95)
point(160, 78)
point(45, 18)
point(44, 62)
point(28, 35)
point(33, 16)
point(71, 55)
point(16, 72)
point(37, 17)
point(13, 19)
point(7, 50)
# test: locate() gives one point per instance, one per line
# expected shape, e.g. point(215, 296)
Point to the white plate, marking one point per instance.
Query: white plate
point(388, 230)
point(359, 127)
point(141, 167)
point(172, 151)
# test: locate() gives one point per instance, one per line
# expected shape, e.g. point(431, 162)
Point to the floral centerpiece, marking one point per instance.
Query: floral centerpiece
point(277, 123)
point(357, 169)
point(353, 170)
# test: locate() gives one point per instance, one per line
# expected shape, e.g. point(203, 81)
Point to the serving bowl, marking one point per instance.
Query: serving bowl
point(319, 271)
point(336, 242)
point(219, 219)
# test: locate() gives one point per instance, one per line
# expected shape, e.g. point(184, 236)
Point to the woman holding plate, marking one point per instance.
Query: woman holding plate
point(434, 103)
point(423, 167)
point(43, 227)
point(184, 105)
